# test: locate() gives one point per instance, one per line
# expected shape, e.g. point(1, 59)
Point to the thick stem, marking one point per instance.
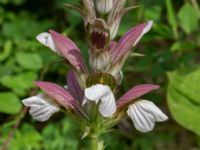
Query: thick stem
point(96, 143)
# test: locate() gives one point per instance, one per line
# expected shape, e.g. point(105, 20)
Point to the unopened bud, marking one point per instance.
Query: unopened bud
point(104, 6)
point(114, 27)
point(115, 16)
point(99, 34)
point(99, 61)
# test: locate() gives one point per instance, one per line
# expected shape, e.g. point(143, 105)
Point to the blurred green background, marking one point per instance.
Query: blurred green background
point(172, 57)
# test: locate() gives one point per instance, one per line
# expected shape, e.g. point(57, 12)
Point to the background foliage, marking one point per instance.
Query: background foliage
point(171, 60)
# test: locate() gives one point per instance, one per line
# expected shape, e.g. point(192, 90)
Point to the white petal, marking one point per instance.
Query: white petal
point(103, 94)
point(108, 106)
point(46, 39)
point(96, 92)
point(144, 114)
point(41, 106)
point(150, 107)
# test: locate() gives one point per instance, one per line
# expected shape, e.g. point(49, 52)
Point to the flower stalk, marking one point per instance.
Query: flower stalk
point(90, 94)
point(96, 143)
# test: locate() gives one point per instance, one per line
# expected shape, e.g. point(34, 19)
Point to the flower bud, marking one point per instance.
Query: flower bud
point(104, 6)
point(89, 10)
point(115, 16)
point(99, 34)
point(99, 61)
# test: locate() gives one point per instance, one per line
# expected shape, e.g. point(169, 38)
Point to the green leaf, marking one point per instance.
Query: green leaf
point(183, 98)
point(29, 60)
point(54, 138)
point(6, 50)
point(162, 32)
point(26, 138)
point(9, 103)
point(4, 70)
point(4, 1)
point(19, 83)
point(182, 46)
point(188, 18)
point(17, 2)
point(170, 14)
point(153, 13)
point(17, 27)
point(198, 40)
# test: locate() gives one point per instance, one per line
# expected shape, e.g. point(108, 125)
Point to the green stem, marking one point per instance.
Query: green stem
point(96, 143)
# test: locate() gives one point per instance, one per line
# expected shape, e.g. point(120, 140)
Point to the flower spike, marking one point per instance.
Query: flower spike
point(97, 85)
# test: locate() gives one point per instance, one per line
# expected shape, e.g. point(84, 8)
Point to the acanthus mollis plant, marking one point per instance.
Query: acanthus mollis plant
point(89, 97)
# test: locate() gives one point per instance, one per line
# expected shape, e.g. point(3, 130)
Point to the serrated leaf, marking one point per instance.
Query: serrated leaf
point(183, 98)
point(9, 103)
point(29, 60)
point(188, 18)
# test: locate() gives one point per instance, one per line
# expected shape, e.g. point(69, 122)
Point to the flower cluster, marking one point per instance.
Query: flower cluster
point(89, 96)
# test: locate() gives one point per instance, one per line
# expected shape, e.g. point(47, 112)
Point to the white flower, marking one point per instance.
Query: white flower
point(46, 39)
point(102, 95)
point(104, 6)
point(42, 107)
point(144, 114)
